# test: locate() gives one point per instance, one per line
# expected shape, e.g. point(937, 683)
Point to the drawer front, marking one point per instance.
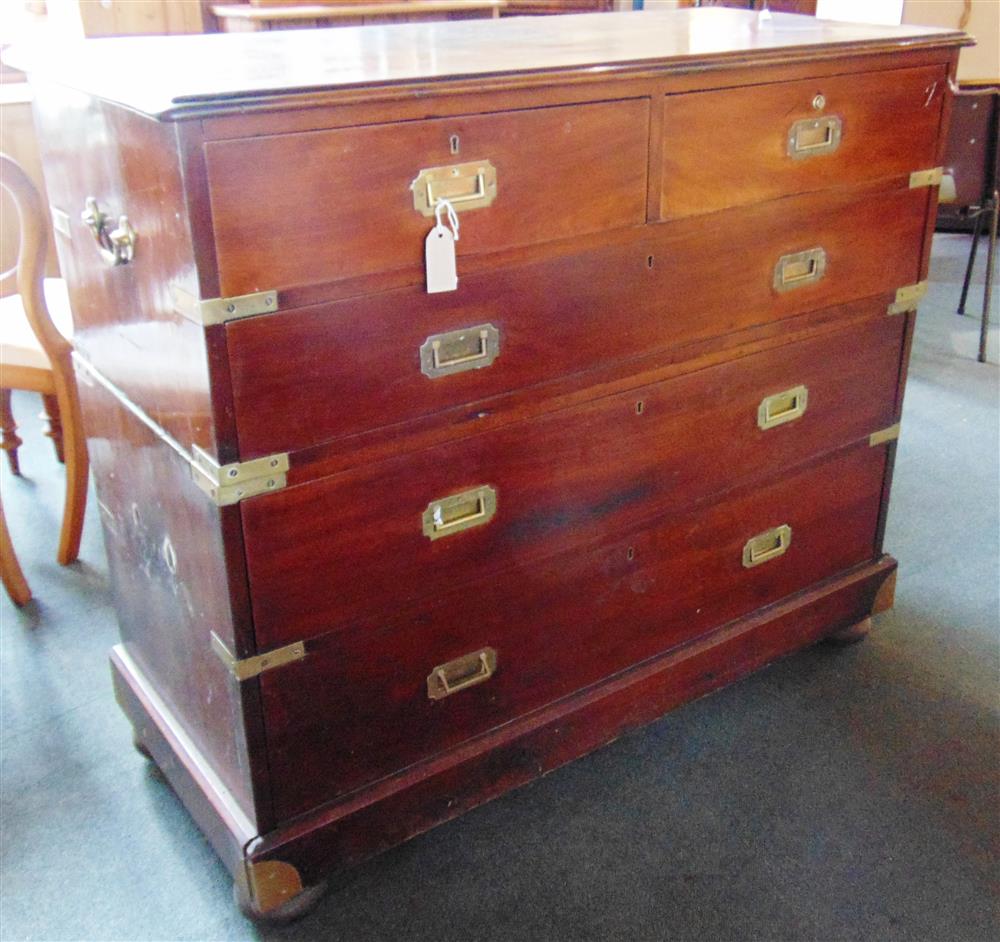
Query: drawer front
point(320, 206)
point(742, 145)
point(307, 376)
point(364, 541)
point(503, 647)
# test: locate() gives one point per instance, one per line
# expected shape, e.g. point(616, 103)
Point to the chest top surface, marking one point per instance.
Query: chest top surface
point(178, 76)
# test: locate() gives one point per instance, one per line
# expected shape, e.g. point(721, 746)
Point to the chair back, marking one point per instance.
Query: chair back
point(29, 272)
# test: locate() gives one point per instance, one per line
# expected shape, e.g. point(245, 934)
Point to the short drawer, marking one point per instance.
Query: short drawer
point(429, 676)
point(319, 206)
point(742, 145)
point(339, 548)
point(307, 376)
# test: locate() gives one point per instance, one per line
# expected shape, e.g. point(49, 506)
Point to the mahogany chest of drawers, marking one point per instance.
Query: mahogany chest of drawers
point(381, 554)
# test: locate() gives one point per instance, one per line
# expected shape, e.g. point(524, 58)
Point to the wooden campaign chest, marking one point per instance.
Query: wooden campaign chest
point(381, 554)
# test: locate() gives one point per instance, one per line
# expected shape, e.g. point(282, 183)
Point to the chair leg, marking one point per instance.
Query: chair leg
point(9, 440)
point(53, 422)
point(984, 328)
point(972, 261)
point(77, 474)
point(10, 570)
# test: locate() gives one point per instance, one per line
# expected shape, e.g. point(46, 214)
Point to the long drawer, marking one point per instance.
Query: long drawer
point(335, 549)
point(432, 675)
point(742, 145)
point(350, 207)
point(307, 376)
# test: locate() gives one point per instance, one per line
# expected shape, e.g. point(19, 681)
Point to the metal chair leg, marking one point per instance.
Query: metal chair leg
point(984, 328)
point(972, 259)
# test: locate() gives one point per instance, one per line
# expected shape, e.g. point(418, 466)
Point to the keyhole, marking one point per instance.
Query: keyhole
point(640, 407)
point(649, 261)
point(630, 553)
point(454, 143)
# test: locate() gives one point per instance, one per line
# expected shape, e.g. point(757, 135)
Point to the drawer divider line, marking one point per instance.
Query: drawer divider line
point(224, 484)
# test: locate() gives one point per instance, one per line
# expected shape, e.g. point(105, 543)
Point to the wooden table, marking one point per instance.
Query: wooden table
point(243, 17)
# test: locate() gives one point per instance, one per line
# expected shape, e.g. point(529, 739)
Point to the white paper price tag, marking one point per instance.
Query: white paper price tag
point(439, 251)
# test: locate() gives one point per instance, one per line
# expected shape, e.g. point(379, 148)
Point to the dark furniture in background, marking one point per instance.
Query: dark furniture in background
point(806, 7)
point(245, 17)
point(972, 171)
point(545, 7)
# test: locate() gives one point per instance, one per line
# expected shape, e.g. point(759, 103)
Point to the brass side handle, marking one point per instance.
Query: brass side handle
point(782, 407)
point(799, 269)
point(811, 137)
point(466, 186)
point(471, 348)
point(117, 246)
point(459, 512)
point(460, 674)
point(766, 546)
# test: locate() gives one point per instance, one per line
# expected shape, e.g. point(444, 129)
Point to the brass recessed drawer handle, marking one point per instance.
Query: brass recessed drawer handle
point(814, 136)
point(799, 269)
point(766, 546)
point(782, 407)
point(464, 672)
point(478, 191)
point(117, 246)
point(465, 186)
point(459, 512)
point(459, 350)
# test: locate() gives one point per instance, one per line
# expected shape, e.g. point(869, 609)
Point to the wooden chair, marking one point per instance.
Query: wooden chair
point(10, 570)
point(35, 356)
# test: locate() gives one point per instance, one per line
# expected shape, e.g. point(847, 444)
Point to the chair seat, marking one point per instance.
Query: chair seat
point(19, 348)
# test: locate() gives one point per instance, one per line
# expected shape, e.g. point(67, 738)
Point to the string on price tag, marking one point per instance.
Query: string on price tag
point(439, 250)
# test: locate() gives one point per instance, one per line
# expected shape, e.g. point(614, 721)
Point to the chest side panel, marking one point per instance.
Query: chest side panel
point(124, 316)
point(176, 561)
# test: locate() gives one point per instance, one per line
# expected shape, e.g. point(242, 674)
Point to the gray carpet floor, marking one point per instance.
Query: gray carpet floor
point(839, 794)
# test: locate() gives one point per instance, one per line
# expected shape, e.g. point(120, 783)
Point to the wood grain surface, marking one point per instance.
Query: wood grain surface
point(241, 71)
point(557, 627)
point(303, 377)
point(346, 832)
point(328, 205)
point(326, 553)
point(730, 147)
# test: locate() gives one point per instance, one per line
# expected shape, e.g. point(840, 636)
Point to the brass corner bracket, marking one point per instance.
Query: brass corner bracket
point(907, 298)
point(211, 311)
point(268, 885)
point(930, 177)
point(230, 483)
point(884, 435)
point(248, 667)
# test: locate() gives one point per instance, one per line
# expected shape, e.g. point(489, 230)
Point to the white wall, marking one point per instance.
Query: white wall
point(861, 11)
point(981, 62)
